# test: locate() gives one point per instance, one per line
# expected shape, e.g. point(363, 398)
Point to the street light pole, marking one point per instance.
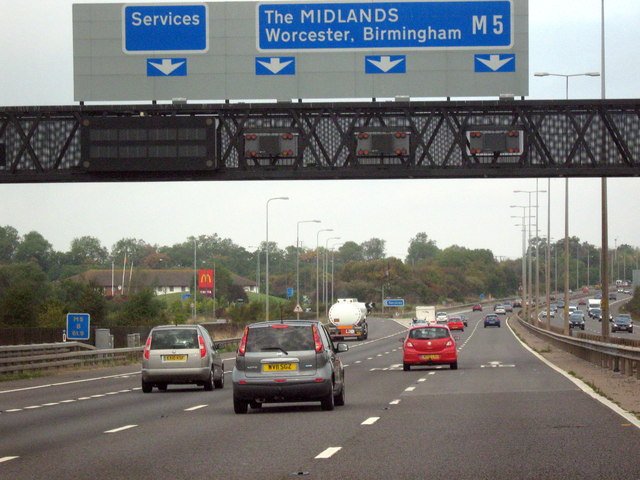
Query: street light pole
point(318, 270)
point(326, 273)
point(524, 270)
point(332, 259)
point(298, 261)
point(267, 253)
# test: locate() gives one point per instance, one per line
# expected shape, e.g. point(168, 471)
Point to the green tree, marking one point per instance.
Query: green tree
point(34, 248)
point(9, 240)
point(373, 249)
point(350, 252)
point(421, 249)
point(23, 289)
point(87, 251)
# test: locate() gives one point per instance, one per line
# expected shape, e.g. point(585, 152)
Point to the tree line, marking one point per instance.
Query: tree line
point(35, 289)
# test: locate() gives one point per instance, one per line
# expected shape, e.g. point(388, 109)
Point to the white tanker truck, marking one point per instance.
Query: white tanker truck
point(348, 319)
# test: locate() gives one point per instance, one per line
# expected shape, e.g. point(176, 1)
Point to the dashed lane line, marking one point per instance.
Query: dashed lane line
point(197, 407)
point(120, 429)
point(6, 459)
point(329, 452)
point(36, 387)
point(370, 421)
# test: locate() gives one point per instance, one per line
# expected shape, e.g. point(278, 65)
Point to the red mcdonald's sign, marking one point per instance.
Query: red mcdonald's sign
point(205, 282)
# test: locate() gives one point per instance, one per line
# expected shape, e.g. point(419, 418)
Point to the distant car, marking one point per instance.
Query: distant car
point(582, 301)
point(287, 361)
point(456, 323)
point(180, 354)
point(500, 310)
point(576, 320)
point(628, 292)
point(597, 315)
point(517, 303)
point(622, 323)
point(508, 307)
point(464, 319)
point(442, 317)
point(491, 320)
point(613, 296)
point(595, 312)
point(476, 308)
point(585, 290)
point(429, 345)
point(597, 296)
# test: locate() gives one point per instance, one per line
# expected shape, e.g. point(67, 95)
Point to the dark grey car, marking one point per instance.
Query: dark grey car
point(181, 354)
point(287, 361)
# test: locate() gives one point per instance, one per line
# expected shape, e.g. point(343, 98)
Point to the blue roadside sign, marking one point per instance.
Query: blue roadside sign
point(289, 292)
point(78, 326)
point(165, 28)
point(393, 302)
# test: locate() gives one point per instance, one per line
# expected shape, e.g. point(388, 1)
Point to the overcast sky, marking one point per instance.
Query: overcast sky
point(37, 69)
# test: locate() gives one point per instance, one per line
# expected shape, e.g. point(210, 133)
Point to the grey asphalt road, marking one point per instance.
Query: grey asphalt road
point(502, 415)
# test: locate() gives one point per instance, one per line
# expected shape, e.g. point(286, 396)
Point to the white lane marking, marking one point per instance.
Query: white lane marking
point(396, 365)
point(420, 380)
point(329, 452)
point(32, 407)
point(432, 373)
point(68, 383)
point(581, 385)
point(67, 401)
point(370, 421)
point(379, 355)
point(6, 459)
point(394, 402)
point(112, 393)
point(99, 395)
point(137, 388)
point(369, 358)
point(84, 398)
point(13, 410)
point(197, 407)
point(409, 389)
point(345, 366)
point(358, 361)
point(387, 353)
point(120, 429)
point(124, 391)
point(50, 404)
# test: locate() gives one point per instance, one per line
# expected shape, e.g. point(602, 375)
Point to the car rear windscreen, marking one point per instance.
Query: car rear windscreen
point(174, 339)
point(429, 333)
point(280, 338)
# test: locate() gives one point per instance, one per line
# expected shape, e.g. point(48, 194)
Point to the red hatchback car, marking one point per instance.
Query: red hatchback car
point(455, 323)
point(476, 308)
point(429, 345)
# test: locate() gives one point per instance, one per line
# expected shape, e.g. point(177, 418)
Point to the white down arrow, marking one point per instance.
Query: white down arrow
point(494, 62)
point(274, 65)
point(167, 66)
point(385, 63)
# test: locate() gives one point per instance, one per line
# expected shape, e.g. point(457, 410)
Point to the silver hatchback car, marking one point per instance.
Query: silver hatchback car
point(287, 361)
point(181, 354)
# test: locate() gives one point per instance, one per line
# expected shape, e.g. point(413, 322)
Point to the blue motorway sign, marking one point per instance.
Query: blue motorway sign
point(165, 29)
point(275, 66)
point(385, 25)
point(289, 292)
point(393, 302)
point(166, 67)
point(78, 326)
point(505, 62)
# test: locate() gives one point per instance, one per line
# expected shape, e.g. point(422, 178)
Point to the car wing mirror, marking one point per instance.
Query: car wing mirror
point(342, 347)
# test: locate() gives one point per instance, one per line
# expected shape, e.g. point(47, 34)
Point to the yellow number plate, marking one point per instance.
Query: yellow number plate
point(280, 367)
point(430, 357)
point(175, 358)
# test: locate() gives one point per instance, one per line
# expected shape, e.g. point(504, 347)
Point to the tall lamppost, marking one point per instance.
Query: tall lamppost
point(318, 270)
point(267, 253)
point(566, 189)
point(325, 295)
point(332, 259)
point(524, 267)
point(298, 260)
point(529, 192)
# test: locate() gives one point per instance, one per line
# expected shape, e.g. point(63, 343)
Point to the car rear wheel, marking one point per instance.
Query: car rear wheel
point(208, 384)
point(240, 406)
point(220, 382)
point(162, 387)
point(406, 367)
point(454, 366)
point(255, 405)
point(147, 387)
point(327, 402)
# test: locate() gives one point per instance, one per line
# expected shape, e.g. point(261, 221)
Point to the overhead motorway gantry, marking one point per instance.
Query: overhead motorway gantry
point(304, 141)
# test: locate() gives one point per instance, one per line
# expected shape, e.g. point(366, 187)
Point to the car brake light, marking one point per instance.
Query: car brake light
point(242, 348)
point(409, 344)
point(147, 348)
point(280, 325)
point(449, 343)
point(203, 347)
point(316, 340)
